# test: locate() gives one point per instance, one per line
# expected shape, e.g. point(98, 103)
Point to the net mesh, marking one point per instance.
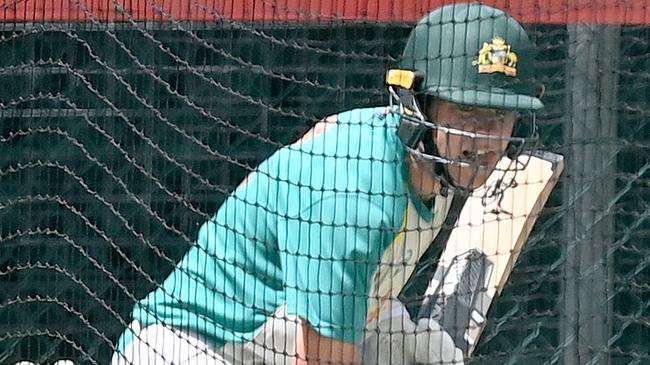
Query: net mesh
point(125, 127)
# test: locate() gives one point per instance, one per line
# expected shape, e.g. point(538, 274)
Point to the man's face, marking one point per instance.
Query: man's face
point(481, 154)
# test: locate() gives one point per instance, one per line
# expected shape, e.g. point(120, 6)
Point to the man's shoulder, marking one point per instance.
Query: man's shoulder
point(350, 134)
point(368, 132)
point(374, 116)
point(365, 134)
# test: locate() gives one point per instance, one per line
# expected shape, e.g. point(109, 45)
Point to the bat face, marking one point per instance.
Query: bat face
point(484, 246)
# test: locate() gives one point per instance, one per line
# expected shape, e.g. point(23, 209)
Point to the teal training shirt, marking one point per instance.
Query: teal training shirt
point(306, 229)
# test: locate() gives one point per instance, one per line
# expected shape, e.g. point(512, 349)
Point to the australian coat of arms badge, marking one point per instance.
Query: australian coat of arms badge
point(497, 57)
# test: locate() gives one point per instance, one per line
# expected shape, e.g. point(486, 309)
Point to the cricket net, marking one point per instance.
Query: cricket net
point(126, 124)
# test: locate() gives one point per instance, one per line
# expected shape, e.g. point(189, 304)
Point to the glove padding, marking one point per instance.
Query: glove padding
point(395, 339)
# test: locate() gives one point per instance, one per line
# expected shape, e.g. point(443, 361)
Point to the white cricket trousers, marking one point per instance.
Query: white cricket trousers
point(162, 345)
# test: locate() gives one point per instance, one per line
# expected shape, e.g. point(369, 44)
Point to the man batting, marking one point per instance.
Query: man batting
point(300, 263)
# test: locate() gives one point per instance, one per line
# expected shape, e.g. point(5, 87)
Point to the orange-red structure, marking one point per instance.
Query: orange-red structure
point(313, 11)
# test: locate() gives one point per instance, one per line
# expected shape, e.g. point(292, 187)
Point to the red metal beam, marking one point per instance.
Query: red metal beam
point(314, 11)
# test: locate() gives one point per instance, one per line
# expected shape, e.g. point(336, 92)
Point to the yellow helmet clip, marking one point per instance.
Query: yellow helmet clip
point(400, 78)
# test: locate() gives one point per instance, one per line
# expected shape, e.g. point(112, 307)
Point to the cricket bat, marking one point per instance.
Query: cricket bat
point(483, 246)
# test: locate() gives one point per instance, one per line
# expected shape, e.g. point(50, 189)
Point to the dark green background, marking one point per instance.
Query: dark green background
point(90, 114)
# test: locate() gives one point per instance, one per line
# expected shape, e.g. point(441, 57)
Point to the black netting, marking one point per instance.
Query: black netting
point(119, 139)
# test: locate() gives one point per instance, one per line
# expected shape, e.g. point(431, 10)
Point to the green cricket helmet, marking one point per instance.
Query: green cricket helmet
point(470, 54)
point(473, 54)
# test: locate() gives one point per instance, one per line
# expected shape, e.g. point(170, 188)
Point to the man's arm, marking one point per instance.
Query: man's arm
point(328, 255)
point(313, 349)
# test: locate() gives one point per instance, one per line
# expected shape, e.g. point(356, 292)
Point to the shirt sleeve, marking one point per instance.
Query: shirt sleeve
point(329, 255)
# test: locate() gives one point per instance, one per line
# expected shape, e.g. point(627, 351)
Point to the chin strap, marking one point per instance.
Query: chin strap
point(412, 130)
point(440, 172)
